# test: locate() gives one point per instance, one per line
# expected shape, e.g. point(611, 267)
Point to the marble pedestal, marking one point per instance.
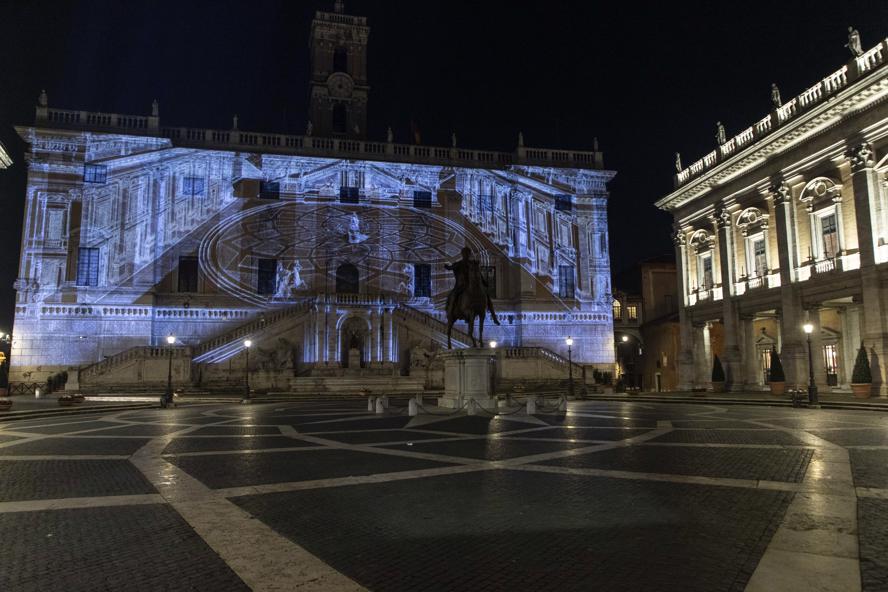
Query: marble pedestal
point(467, 379)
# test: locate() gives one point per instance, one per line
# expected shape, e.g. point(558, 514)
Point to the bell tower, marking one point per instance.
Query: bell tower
point(338, 48)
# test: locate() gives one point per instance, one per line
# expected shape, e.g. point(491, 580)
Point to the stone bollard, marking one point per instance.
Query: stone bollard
point(385, 401)
point(562, 406)
point(371, 403)
point(531, 406)
point(380, 408)
point(412, 408)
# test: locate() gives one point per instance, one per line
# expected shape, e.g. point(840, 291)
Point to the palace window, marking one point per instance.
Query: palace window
point(266, 276)
point(488, 274)
point(618, 311)
point(192, 186)
point(340, 119)
point(566, 284)
point(187, 274)
point(704, 271)
point(563, 203)
point(349, 195)
point(347, 279)
point(88, 266)
point(340, 59)
point(829, 235)
point(422, 199)
point(269, 190)
point(95, 173)
point(759, 256)
point(632, 312)
point(422, 280)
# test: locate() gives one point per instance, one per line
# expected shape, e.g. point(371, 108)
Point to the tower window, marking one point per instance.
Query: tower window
point(618, 311)
point(187, 274)
point(269, 190)
point(95, 173)
point(422, 280)
point(422, 199)
point(563, 203)
point(566, 288)
point(340, 119)
point(88, 266)
point(340, 59)
point(266, 276)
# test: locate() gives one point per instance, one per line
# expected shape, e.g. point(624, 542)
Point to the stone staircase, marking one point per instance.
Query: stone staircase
point(435, 325)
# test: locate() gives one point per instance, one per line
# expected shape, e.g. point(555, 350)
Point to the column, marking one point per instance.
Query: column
point(792, 350)
point(702, 369)
point(731, 360)
point(387, 335)
point(375, 341)
point(850, 342)
point(817, 351)
point(875, 324)
point(750, 357)
point(686, 330)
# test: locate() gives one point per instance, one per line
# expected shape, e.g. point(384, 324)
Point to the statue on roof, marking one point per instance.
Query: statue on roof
point(854, 42)
point(234, 122)
point(775, 95)
point(309, 128)
point(42, 100)
point(389, 136)
point(521, 139)
point(678, 162)
point(453, 139)
point(155, 108)
point(720, 136)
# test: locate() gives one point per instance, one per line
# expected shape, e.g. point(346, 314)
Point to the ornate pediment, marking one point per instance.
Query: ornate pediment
point(751, 220)
point(819, 190)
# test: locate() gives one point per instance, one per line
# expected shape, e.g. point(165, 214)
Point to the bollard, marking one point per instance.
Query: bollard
point(385, 401)
point(531, 406)
point(371, 403)
point(37, 393)
point(412, 408)
point(562, 406)
point(379, 407)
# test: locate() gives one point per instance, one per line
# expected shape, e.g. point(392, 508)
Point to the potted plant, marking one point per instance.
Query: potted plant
point(718, 376)
point(862, 377)
point(777, 379)
point(66, 400)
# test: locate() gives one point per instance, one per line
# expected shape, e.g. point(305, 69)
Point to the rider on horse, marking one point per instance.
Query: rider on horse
point(461, 272)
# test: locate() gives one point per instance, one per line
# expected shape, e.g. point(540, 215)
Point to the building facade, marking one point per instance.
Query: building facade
point(787, 223)
point(325, 249)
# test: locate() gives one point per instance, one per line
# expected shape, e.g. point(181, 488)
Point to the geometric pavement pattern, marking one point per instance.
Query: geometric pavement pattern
point(326, 496)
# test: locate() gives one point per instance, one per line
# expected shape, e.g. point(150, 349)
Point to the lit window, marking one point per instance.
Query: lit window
point(618, 310)
point(830, 234)
point(759, 257)
point(422, 199)
point(422, 280)
point(266, 276)
point(95, 173)
point(705, 271)
point(566, 284)
point(192, 186)
point(88, 267)
point(632, 312)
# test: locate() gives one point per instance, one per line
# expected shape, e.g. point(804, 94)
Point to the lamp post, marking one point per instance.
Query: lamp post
point(812, 387)
point(570, 374)
point(247, 344)
point(168, 396)
point(492, 344)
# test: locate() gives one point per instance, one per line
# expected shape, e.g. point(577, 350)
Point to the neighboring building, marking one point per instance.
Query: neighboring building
point(646, 330)
point(5, 159)
point(784, 223)
point(314, 246)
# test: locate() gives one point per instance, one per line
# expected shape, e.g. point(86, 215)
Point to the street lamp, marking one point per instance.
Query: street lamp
point(812, 387)
point(570, 380)
point(247, 344)
point(493, 344)
point(168, 396)
point(625, 338)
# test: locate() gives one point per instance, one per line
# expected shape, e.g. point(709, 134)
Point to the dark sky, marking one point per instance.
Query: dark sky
point(647, 80)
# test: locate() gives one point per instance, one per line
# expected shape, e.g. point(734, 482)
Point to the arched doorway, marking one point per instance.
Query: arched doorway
point(347, 279)
point(353, 340)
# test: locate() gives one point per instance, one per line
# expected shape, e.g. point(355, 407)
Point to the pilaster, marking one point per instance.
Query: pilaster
point(686, 331)
point(731, 360)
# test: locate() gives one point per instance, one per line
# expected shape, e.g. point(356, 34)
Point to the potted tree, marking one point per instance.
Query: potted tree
point(777, 379)
point(862, 377)
point(718, 376)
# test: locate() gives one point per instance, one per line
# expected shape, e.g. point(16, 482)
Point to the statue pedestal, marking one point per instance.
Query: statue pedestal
point(467, 379)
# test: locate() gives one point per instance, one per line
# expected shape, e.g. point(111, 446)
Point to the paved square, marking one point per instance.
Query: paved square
point(326, 496)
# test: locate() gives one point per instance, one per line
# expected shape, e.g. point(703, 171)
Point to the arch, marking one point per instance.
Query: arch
point(701, 240)
point(751, 216)
point(340, 59)
point(348, 279)
point(821, 188)
point(340, 119)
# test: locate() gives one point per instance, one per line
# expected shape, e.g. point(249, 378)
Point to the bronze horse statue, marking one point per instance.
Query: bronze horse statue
point(469, 299)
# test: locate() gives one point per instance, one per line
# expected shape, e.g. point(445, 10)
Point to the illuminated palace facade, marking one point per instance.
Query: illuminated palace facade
point(325, 249)
point(787, 223)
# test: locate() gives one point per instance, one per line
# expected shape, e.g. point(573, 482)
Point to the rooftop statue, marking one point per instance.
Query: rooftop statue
point(720, 133)
point(309, 128)
point(469, 298)
point(677, 162)
point(155, 108)
point(775, 95)
point(389, 136)
point(854, 42)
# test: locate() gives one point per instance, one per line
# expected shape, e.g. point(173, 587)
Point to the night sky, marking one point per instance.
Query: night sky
point(647, 80)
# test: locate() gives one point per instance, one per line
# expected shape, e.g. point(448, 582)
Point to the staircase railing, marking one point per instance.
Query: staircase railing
point(139, 352)
point(433, 323)
point(541, 353)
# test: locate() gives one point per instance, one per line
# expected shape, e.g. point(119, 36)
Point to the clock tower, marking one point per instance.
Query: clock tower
point(338, 44)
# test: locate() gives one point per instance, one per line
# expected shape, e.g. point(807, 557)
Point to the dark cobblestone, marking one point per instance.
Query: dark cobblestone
point(528, 531)
point(63, 428)
point(74, 445)
point(708, 424)
point(872, 520)
point(578, 433)
point(729, 437)
point(150, 430)
point(237, 430)
point(108, 549)
point(279, 467)
point(487, 448)
point(866, 437)
point(869, 467)
point(372, 423)
point(252, 443)
point(614, 422)
point(6, 438)
point(772, 464)
point(51, 479)
point(475, 425)
point(381, 436)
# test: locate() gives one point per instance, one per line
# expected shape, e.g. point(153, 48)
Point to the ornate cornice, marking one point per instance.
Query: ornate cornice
point(862, 157)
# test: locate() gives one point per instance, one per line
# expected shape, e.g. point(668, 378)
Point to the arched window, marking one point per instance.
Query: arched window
point(340, 119)
point(347, 279)
point(340, 59)
point(618, 310)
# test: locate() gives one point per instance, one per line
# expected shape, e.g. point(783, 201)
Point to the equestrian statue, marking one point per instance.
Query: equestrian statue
point(469, 298)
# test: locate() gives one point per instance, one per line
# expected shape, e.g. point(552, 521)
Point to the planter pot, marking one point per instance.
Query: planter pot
point(718, 387)
point(78, 399)
point(5, 404)
point(862, 390)
point(778, 388)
